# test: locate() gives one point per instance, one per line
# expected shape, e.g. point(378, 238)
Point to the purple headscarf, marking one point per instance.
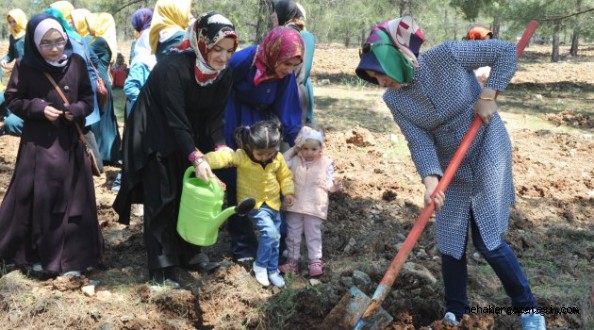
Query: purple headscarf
point(141, 19)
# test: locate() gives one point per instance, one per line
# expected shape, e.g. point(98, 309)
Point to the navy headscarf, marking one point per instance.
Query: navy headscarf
point(286, 10)
point(141, 19)
point(32, 57)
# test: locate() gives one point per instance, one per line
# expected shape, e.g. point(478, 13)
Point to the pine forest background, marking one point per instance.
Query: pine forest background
point(347, 22)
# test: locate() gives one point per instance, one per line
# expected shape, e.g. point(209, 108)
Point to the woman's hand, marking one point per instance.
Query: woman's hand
point(289, 200)
point(203, 171)
point(431, 183)
point(485, 107)
point(68, 115)
point(51, 113)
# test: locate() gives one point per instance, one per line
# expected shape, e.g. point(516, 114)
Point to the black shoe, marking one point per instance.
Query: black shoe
point(201, 263)
point(2, 131)
point(164, 276)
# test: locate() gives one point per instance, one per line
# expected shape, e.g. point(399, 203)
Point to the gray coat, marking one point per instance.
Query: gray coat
point(434, 113)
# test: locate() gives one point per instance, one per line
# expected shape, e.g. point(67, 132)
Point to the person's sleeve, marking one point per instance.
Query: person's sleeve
point(93, 58)
point(285, 177)
point(216, 126)
point(11, 55)
point(173, 96)
point(421, 146)
point(287, 107)
point(497, 54)
point(135, 80)
point(17, 100)
point(223, 158)
point(85, 101)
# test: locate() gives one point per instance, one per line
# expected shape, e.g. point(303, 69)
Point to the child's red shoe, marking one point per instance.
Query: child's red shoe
point(315, 268)
point(291, 266)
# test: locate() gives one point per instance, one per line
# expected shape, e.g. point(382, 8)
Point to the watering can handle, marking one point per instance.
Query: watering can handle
point(191, 170)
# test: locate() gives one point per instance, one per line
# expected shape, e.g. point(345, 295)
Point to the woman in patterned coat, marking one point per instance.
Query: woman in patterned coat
point(433, 99)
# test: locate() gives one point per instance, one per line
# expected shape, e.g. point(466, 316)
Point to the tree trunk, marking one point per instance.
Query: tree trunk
point(575, 36)
point(347, 37)
point(555, 54)
point(496, 26)
point(263, 24)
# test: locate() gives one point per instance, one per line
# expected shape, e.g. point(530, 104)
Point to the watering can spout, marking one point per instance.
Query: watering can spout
point(241, 209)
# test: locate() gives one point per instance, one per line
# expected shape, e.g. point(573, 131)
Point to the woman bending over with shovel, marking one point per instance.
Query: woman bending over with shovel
point(433, 99)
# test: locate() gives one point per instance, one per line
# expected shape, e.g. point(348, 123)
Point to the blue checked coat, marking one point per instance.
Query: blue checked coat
point(434, 112)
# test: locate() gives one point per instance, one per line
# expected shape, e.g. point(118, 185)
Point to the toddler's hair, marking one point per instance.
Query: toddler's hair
point(264, 134)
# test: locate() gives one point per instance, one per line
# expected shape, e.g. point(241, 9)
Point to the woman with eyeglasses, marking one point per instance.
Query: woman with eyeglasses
point(433, 98)
point(48, 217)
point(264, 87)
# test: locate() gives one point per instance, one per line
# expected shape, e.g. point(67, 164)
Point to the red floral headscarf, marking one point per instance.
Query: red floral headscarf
point(280, 45)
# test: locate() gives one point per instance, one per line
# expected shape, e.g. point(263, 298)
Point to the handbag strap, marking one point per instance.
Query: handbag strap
point(59, 90)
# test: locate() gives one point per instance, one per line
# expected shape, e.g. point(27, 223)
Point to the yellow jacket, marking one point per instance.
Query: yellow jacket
point(263, 184)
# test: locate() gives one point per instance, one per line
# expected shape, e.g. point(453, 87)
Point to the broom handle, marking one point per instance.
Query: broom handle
point(385, 285)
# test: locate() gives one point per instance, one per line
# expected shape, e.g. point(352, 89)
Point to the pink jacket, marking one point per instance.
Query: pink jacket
point(311, 192)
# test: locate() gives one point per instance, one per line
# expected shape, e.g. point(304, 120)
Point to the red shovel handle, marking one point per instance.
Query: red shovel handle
point(384, 287)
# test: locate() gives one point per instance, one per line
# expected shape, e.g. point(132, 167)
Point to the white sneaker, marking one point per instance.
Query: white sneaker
point(449, 317)
point(73, 273)
point(533, 321)
point(276, 279)
point(261, 275)
point(37, 267)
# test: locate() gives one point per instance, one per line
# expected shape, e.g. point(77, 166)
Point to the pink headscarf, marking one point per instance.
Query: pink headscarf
point(280, 45)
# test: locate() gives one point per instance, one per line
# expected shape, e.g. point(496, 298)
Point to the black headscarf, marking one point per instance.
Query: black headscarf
point(286, 10)
point(32, 57)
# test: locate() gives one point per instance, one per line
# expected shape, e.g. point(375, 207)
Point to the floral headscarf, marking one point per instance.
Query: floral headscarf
point(102, 25)
point(405, 34)
point(20, 18)
point(78, 21)
point(141, 19)
point(169, 14)
point(280, 45)
point(201, 37)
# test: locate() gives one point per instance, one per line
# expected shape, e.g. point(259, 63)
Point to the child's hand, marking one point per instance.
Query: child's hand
point(289, 200)
point(336, 185)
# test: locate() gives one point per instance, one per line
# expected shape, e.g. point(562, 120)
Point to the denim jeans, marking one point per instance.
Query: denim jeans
point(267, 222)
point(504, 263)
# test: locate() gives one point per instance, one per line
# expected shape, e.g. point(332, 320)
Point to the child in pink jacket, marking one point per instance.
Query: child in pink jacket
point(313, 175)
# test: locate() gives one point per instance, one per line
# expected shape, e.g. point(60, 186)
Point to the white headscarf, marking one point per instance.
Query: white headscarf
point(42, 28)
point(142, 51)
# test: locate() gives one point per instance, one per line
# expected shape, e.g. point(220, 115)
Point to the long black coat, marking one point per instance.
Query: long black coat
point(172, 116)
point(49, 213)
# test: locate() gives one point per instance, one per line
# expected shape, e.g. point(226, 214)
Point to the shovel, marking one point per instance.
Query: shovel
point(357, 311)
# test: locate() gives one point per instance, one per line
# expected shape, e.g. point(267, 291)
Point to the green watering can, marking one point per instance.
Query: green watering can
point(200, 213)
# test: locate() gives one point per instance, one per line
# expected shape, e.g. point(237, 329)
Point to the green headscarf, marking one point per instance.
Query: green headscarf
point(391, 59)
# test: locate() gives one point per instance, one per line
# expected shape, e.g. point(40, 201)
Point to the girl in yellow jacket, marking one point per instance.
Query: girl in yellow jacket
point(262, 174)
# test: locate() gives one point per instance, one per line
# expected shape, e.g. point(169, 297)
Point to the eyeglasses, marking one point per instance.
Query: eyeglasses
point(367, 47)
point(50, 45)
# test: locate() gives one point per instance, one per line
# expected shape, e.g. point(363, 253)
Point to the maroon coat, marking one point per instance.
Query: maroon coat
point(49, 213)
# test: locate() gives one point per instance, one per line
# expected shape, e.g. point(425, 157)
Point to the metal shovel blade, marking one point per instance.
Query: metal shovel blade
point(347, 313)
